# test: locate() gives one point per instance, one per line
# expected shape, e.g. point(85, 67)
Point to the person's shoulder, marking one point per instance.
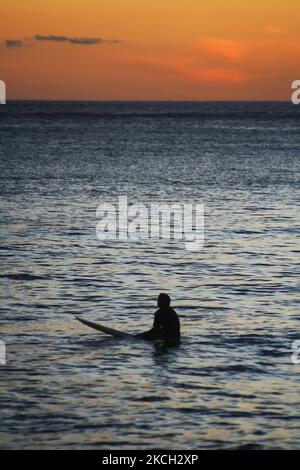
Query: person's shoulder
point(173, 311)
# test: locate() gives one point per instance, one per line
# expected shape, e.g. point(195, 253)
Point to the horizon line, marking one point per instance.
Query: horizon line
point(72, 100)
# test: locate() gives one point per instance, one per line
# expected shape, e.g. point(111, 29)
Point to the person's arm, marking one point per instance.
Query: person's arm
point(154, 333)
point(157, 323)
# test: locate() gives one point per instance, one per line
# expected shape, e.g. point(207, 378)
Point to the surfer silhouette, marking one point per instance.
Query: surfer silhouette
point(166, 325)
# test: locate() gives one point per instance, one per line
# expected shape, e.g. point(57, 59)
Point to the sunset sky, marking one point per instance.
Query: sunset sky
point(149, 49)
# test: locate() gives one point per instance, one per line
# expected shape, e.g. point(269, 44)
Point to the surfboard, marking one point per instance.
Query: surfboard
point(105, 329)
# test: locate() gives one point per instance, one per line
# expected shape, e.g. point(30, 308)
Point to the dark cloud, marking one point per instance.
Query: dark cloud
point(80, 41)
point(40, 37)
point(10, 43)
point(86, 41)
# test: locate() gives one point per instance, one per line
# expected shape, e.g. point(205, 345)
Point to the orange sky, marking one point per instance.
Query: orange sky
point(166, 49)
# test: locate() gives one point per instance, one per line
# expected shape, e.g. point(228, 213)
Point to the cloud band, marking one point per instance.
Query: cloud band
point(79, 41)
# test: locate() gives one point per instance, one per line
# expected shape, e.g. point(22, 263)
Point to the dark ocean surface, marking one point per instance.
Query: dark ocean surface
point(231, 383)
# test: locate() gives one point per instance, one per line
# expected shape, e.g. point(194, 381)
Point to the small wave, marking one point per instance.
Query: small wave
point(21, 276)
point(151, 399)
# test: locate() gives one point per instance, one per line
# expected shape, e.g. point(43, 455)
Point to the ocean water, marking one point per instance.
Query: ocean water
point(231, 384)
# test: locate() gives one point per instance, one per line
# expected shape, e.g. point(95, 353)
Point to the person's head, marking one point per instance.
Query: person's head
point(163, 301)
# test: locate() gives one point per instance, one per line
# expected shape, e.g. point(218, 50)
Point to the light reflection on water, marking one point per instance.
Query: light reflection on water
point(231, 383)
